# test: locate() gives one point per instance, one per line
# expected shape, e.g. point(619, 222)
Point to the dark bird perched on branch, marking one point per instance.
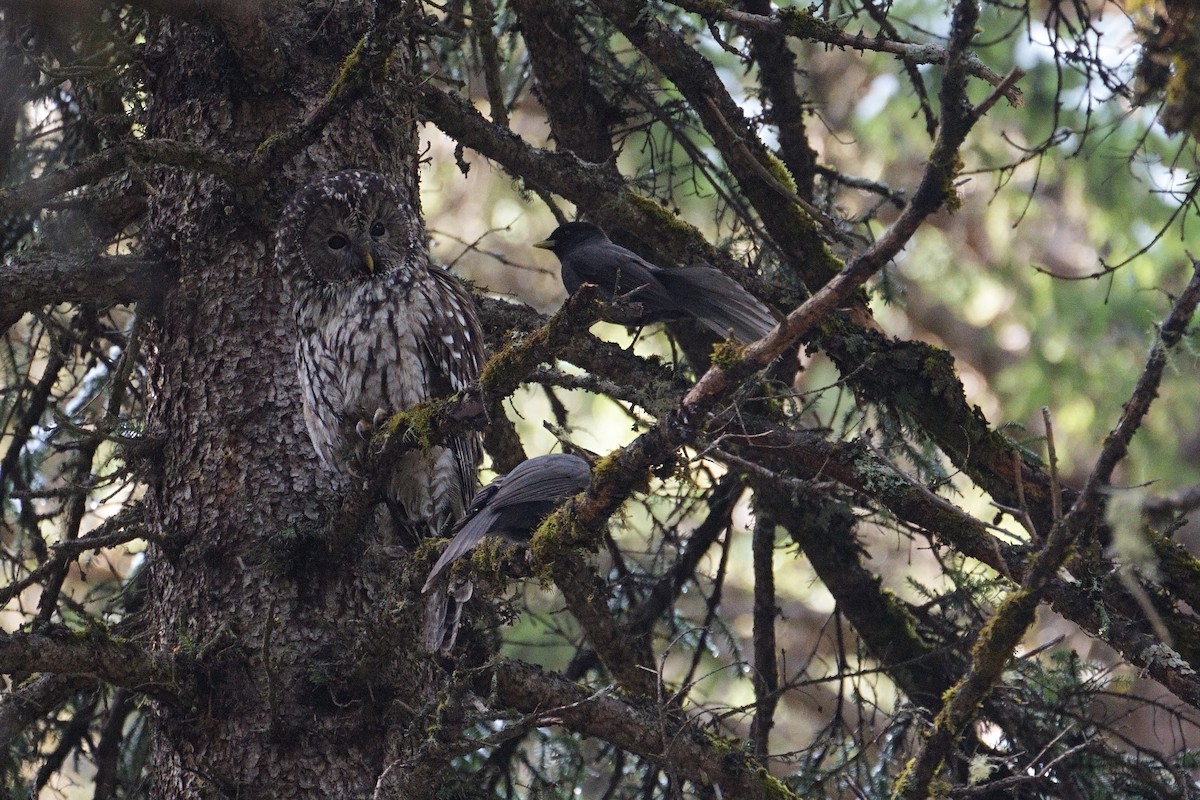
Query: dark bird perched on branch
point(703, 293)
point(511, 506)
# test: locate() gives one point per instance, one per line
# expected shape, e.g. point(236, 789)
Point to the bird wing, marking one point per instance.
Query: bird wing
point(718, 301)
point(619, 273)
point(551, 478)
point(468, 533)
point(452, 358)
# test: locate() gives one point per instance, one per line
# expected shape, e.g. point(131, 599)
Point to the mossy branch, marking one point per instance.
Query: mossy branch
point(39, 278)
point(37, 192)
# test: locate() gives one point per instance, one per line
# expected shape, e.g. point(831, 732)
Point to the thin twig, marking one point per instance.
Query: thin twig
point(1022, 509)
point(1116, 444)
point(1052, 457)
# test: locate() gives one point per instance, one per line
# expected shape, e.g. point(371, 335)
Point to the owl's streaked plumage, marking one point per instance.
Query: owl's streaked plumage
point(380, 328)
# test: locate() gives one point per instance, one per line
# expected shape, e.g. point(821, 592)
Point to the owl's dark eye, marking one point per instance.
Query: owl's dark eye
point(378, 229)
point(337, 241)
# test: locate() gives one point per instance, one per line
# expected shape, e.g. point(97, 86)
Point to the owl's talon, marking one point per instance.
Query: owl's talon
point(381, 416)
point(364, 429)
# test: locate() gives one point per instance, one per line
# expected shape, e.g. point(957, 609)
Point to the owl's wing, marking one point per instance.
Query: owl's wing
point(453, 355)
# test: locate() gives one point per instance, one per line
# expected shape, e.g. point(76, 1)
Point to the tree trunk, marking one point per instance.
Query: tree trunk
point(287, 635)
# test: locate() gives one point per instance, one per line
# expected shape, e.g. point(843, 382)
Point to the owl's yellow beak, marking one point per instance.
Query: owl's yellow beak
point(545, 244)
point(368, 260)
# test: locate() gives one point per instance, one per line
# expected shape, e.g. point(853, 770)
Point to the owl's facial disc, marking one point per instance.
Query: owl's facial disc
point(355, 236)
point(350, 251)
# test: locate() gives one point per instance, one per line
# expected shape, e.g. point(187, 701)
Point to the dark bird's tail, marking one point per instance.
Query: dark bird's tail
point(511, 506)
point(718, 301)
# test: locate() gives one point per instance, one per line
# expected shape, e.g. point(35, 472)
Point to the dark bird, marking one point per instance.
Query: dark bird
point(513, 505)
point(708, 295)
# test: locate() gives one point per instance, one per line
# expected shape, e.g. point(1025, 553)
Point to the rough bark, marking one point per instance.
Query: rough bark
point(294, 648)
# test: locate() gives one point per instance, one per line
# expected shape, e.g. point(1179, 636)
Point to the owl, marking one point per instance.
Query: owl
point(380, 328)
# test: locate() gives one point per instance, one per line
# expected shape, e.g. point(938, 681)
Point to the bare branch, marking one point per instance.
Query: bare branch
point(561, 173)
point(665, 738)
point(43, 278)
point(802, 24)
point(124, 527)
point(1116, 444)
point(766, 671)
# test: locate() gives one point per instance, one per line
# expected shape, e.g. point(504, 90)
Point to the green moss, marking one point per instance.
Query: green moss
point(185, 641)
point(96, 631)
point(606, 469)
point(505, 370)
point(709, 8)
point(1008, 625)
point(270, 142)
point(488, 560)
point(903, 783)
point(418, 424)
point(1177, 86)
point(781, 173)
point(429, 550)
point(732, 755)
point(878, 477)
point(953, 201)
point(350, 71)
point(803, 24)
point(726, 355)
point(547, 544)
point(899, 613)
point(652, 208)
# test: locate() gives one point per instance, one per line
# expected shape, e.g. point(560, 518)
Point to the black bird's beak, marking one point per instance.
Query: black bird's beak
point(545, 244)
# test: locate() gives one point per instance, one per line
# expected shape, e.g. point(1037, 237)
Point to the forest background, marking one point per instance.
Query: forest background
point(939, 547)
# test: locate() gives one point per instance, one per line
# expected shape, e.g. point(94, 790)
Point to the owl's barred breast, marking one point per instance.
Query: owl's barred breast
point(349, 371)
point(369, 364)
